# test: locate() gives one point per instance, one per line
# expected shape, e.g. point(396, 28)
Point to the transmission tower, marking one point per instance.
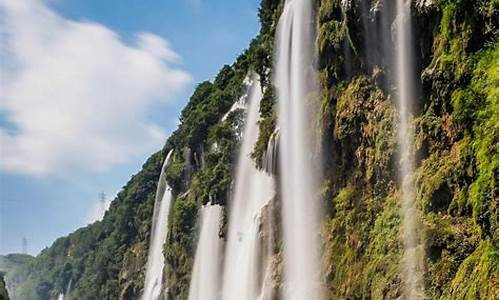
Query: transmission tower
point(25, 245)
point(102, 198)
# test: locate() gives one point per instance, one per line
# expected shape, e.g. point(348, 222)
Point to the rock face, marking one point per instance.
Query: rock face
point(455, 122)
point(456, 174)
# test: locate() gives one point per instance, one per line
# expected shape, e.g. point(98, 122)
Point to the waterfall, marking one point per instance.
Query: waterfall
point(253, 189)
point(205, 281)
point(270, 157)
point(296, 82)
point(154, 268)
point(65, 294)
point(405, 83)
point(68, 289)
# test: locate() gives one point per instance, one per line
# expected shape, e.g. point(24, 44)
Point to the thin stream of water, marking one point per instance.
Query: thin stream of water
point(159, 229)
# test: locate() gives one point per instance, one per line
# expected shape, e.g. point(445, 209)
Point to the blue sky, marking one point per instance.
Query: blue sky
point(87, 77)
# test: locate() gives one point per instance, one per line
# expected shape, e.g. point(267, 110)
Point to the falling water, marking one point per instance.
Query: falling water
point(253, 190)
point(270, 157)
point(296, 82)
point(405, 81)
point(205, 279)
point(65, 294)
point(154, 269)
point(270, 230)
point(68, 289)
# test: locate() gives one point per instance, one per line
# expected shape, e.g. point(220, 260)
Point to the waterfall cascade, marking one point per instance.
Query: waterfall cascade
point(406, 91)
point(270, 157)
point(253, 189)
point(154, 268)
point(205, 279)
point(65, 294)
point(296, 82)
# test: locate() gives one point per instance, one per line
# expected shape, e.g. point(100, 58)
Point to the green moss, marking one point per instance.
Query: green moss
point(361, 259)
point(475, 278)
point(331, 36)
point(475, 108)
point(438, 177)
point(484, 190)
point(363, 121)
point(449, 241)
point(380, 275)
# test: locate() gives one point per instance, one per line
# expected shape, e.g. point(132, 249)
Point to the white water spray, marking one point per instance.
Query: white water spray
point(253, 190)
point(412, 260)
point(296, 82)
point(205, 279)
point(159, 229)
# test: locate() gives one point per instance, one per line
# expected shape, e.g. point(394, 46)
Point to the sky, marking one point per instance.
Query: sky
point(88, 90)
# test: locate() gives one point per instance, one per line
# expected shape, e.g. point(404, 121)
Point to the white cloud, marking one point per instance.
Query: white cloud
point(77, 94)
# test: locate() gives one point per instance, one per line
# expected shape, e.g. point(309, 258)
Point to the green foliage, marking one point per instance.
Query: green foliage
point(381, 272)
point(175, 170)
point(362, 254)
point(269, 12)
point(331, 36)
point(207, 105)
point(261, 50)
point(363, 119)
point(267, 124)
point(473, 279)
point(449, 240)
point(457, 183)
point(363, 224)
point(476, 105)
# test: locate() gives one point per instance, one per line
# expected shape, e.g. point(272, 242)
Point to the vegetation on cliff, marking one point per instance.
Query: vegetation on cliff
point(456, 144)
point(456, 124)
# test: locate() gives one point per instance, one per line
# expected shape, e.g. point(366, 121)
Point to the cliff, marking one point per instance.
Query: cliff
point(456, 173)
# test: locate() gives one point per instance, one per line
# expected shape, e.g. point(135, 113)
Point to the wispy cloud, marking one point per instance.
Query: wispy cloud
point(75, 95)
